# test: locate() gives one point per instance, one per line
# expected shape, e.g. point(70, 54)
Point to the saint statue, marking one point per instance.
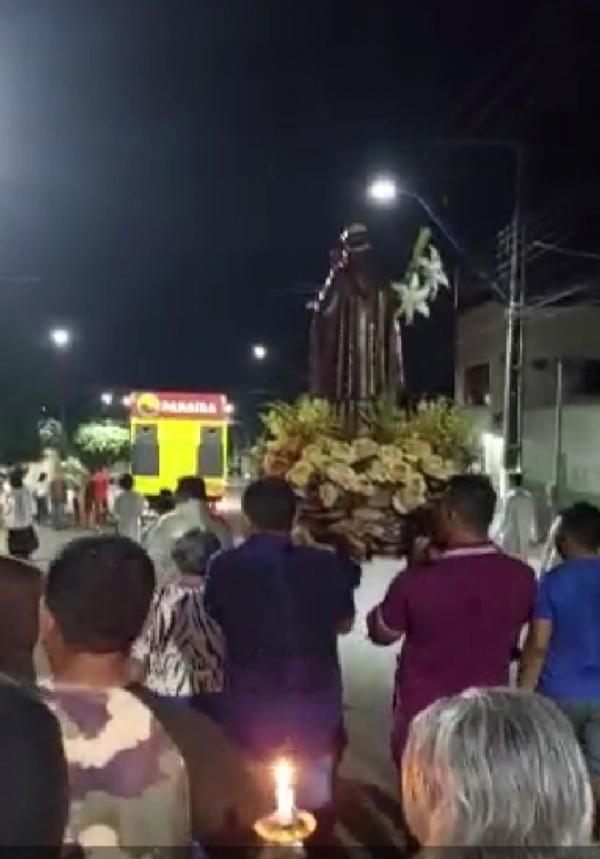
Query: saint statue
point(355, 339)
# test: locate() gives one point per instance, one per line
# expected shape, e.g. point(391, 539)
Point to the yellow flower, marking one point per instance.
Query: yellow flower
point(329, 494)
point(363, 486)
point(301, 473)
point(390, 454)
point(407, 499)
point(379, 473)
point(402, 472)
point(364, 448)
point(340, 474)
point(415, 448)
point(432, 465)
point(341, 452)
point(314, 454)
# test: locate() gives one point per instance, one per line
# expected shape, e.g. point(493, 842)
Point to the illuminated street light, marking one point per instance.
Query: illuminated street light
point(259, 352)
point(106, 398)
point(229, 408)
point(126, 401)
point(383, 190)
point(60, 338)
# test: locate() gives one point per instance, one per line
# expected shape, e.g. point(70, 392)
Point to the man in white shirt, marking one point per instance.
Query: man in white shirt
point(41, 494)
point(191, 512)
point(516, 528)
point(128, 509)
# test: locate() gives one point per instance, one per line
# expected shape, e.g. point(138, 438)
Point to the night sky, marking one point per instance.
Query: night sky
point(174, 172)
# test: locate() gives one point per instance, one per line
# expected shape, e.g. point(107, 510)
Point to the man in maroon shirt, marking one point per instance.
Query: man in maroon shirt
point(459, 615)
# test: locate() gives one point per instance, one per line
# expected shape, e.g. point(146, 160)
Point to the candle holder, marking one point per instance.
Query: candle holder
point(287, 828)
point(273, 832)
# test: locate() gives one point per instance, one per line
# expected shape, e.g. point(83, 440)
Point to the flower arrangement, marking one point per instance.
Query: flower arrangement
point(359, 490)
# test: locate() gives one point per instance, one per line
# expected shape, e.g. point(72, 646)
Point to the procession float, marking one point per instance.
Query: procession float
point(361, 453)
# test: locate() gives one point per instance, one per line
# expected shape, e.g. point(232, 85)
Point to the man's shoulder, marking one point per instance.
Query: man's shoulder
point(99, 724)
point(476, 559)
point(570, 569)
point(512, 563)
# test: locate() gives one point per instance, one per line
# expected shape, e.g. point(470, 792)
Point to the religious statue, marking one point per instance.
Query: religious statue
point(355, 338)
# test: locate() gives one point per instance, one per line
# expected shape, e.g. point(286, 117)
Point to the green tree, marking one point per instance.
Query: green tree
point(102, 444)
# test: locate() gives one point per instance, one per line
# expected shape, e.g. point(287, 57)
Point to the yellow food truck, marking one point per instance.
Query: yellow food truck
point(174, 435)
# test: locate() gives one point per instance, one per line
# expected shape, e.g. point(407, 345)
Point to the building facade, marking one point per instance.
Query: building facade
point(570, 334)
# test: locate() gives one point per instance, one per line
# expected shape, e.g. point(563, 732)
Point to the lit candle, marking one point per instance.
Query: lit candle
point(284, 792)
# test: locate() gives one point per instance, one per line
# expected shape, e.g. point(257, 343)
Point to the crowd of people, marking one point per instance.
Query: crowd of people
point(179, 666)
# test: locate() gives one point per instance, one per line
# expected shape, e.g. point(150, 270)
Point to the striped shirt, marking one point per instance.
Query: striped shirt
point(181, 645)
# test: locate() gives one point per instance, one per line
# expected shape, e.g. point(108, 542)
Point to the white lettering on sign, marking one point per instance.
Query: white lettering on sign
point(182, 407)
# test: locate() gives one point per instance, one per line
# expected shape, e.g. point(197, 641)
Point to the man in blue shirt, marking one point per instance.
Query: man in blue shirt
point(561, 658)
point(281, 608)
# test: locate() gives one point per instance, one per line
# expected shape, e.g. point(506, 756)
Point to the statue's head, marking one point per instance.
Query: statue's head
point(355, 239)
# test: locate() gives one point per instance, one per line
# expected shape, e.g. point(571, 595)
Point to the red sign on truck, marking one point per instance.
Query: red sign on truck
point(167, 404)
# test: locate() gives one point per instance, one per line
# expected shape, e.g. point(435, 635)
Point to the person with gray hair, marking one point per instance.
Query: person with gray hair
point(181, 649)
point(495, 768)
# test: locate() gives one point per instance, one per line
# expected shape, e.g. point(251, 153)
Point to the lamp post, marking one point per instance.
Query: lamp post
point(515, 303)
point(259, 352)
point(61, 339)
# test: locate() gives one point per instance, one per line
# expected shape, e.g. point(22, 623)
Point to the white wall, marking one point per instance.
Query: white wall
point(565, 332)
point(580, 448)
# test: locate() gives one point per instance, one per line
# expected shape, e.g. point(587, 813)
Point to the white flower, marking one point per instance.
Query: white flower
point(433, 272)
point(413, 298)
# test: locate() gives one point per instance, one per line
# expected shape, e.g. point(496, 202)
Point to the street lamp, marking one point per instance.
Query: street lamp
point(106, 398)
point(259, 352)
point(60, 338)
point(383, 190)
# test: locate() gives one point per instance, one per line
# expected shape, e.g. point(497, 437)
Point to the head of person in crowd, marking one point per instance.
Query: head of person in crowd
point(20, 592)
point(33, 776)
point(98, 594)
point(43, 477)
point(578, 533)
point(269, 504)
point(126, 482)
point(418, 535)
point(465, 510)
point(190, 489)
point(165, 502)
point(496, 768)
point(16, 478)
point(193, 551)
point(516, 480)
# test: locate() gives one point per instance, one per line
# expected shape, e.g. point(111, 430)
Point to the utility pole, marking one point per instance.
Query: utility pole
point(515, 304)
point(514, 348)
point(558, 414)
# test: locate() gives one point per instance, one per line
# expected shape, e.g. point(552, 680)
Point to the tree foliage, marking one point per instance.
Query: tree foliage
point(102, 444)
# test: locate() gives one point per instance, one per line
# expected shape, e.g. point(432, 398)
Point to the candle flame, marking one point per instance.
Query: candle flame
point(283, 771)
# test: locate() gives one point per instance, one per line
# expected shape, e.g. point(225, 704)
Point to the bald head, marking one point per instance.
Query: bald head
point(20, 592)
